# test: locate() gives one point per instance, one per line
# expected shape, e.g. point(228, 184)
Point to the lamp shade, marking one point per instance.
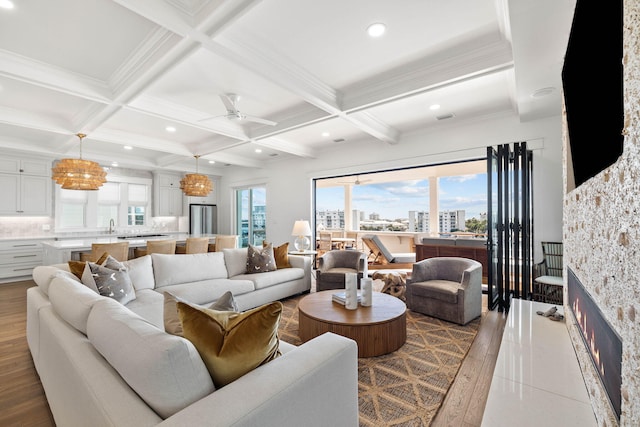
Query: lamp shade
point(79, 174)
point(195, 184)
point(301, 229)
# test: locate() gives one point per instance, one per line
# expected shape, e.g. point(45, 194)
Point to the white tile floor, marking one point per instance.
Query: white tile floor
point(537, 380)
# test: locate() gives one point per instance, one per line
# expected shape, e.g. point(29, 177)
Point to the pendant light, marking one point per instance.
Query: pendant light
point(195, 184)
point(79, 174)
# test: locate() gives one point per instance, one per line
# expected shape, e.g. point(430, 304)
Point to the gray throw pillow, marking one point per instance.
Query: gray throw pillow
point(111, 283)
point(172, 323)
point(87, 278)
point(260, 260)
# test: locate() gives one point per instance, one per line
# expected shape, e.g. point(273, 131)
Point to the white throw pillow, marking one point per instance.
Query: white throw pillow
point(186, 268)
point(236, 261)
point(141, 272)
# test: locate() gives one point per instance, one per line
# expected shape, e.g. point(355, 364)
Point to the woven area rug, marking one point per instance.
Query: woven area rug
point(406, 387)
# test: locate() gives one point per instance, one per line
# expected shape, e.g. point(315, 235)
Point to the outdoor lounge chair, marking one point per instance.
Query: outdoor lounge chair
point(380, 257)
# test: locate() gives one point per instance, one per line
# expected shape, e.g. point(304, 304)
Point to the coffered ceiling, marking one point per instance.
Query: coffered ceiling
point(122, 71)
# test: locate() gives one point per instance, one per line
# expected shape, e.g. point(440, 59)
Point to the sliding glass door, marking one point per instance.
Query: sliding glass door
point(251, 215)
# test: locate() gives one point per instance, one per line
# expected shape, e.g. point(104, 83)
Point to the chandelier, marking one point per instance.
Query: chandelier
point(195, 184)
point(79, 174)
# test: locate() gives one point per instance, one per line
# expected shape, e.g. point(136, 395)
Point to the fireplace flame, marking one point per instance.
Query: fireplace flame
point(588, 334)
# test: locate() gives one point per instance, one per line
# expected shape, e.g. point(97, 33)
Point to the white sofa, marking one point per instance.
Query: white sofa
point(102, 363)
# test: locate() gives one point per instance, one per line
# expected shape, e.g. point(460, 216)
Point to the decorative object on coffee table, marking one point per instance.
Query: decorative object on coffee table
point(367, 291)
point(351, 291)
point(378, 329)
point(393, 282)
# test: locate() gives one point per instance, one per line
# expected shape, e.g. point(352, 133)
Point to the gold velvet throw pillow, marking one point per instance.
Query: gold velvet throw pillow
point(232, 344)
point(281, 254)
point(172, 324)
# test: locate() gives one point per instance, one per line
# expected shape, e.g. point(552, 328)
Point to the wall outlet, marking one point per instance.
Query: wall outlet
point(46, 227)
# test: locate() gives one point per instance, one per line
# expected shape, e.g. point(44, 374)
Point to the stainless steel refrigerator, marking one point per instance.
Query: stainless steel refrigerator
point(203, 219)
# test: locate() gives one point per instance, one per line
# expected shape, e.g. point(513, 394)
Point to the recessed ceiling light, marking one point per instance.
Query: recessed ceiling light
point(434, 107)
point(128, 147)
point(114, 164)
point(6, 4)
point(543, 92)
point(377, 29)
point(170, 129)
point(326, 134)
point(258, 150)
point(212, 161)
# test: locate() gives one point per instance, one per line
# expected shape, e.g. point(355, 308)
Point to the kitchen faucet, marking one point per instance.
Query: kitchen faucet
point(112, 225)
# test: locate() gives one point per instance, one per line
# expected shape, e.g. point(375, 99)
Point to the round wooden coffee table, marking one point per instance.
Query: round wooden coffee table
point(378, 329)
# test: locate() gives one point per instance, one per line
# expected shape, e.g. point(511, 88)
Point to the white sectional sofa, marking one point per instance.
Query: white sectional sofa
point(102, 363)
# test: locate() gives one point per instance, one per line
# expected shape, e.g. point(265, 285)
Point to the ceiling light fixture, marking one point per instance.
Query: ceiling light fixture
point(170, 129)
point(195, 184)
point(128, 147)
point(6, 4)
point(258, 150)
point(545, 91)
point(376, 29)
point(79, 174)
point(212, 162)
point(434, 107)
point(326, 134)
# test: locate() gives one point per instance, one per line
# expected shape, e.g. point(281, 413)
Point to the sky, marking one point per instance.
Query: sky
point(394, 200)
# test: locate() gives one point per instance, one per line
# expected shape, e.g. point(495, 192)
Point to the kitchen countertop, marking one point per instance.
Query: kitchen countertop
point(86, 235)
point(84, 243)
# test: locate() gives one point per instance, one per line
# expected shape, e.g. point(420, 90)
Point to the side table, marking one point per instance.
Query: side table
point(310, 253)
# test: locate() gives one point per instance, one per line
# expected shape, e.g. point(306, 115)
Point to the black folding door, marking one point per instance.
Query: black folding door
point(510, 230)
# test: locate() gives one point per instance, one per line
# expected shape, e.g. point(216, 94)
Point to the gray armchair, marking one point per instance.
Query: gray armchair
point(448, 288)
point(333, 265)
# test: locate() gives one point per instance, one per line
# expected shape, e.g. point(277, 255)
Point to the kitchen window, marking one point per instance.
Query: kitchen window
point(125, 200)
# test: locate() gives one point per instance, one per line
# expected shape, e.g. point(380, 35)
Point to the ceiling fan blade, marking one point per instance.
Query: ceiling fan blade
point(259, 120)
point(229, 102)
point(210, 118)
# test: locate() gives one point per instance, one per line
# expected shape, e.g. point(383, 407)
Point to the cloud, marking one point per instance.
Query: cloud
point(461, 178)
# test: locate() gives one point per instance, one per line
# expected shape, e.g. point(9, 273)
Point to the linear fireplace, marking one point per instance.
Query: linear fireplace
point(601, 340)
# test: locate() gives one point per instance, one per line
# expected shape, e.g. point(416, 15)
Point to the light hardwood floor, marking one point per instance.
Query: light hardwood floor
point(23, 403)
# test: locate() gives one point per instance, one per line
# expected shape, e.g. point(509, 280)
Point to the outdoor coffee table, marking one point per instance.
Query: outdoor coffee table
point(378, 329)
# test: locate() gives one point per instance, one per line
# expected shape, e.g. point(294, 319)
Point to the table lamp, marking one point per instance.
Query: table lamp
point(301, 229)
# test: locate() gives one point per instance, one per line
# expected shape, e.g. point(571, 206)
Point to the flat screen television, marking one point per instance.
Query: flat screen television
point(592, 80)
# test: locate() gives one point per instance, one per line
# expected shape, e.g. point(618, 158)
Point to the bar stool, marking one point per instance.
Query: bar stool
point(119, 251)
point(194, 245)
point(167, 246)
point(222, 242)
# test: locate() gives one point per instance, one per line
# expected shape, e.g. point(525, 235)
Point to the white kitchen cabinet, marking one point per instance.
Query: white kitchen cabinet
point(26, 186)
point(25, 166)
point(19, 257)
point(168, 198)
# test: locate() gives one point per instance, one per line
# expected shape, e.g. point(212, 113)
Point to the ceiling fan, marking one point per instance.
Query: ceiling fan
point(230, 101)
point(358, 181)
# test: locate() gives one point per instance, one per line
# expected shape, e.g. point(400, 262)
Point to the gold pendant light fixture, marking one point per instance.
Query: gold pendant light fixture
point(195, 184)
point(79, 174)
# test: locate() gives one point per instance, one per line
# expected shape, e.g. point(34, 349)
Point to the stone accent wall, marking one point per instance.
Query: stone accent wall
point(602, 241)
